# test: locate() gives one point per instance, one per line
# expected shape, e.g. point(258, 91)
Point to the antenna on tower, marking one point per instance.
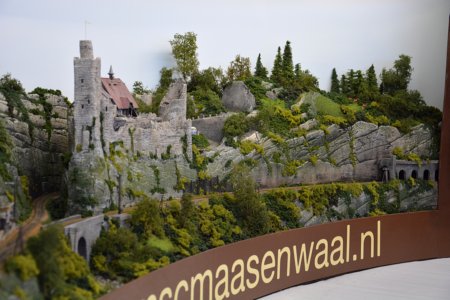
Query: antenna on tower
point(85, 29)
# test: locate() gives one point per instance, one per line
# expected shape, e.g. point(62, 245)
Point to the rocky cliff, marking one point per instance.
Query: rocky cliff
point(41, 138)
point(322, 155)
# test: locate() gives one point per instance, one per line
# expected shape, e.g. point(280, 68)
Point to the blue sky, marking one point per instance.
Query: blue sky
point(40, 37)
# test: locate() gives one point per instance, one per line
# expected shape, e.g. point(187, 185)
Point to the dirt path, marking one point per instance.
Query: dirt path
point(15, 240)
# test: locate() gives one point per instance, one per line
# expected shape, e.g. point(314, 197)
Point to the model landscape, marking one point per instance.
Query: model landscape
point(144, 178)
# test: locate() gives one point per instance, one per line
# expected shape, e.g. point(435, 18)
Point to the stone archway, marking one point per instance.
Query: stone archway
point(402, 175)
point(414, 174)
point(426, 175)
point(82, 247)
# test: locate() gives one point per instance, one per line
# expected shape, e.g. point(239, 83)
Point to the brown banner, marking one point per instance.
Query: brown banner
point(264, 265)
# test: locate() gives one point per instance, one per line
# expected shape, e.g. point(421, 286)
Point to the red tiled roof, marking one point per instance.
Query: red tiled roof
point(119, 93)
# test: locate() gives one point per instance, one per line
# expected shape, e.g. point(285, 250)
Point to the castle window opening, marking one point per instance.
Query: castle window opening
point(426, 175)
point(82, 80)
point(82, 106)
point(89, 101)
point(414, 174)
point(106, 108)
point(401, 175)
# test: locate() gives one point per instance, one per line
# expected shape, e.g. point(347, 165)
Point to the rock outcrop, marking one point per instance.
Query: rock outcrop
point(238, 98)
point(336, 154)
point(41, 144)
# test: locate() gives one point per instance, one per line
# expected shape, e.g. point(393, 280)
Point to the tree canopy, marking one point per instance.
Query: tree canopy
point(184, 50)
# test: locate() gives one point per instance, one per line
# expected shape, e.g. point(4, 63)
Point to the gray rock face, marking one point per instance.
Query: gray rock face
point(39, 150)
point(238, 98)
point(350, 154)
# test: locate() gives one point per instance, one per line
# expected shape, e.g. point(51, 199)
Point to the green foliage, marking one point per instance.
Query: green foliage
point(6, 147)
point(282, 203)
point(290, 167)
point(207, 102)
point(235, 126)
point(247, 146)
point(328, 119)
point(184, 50)
point(23, 266)
point(334, 82)
point(208, 79)
point(255, 86)
point(313, 159)
point(200, 141)
point(274, 117)
point(405, 125)
point(398, 78)
point(249, 209)
point(277, 70)
point(239, 69)
point(260, 70)
point(287, 66)
point(164, 83)
point(62, 273)
point(139, 89)
point(146, 219)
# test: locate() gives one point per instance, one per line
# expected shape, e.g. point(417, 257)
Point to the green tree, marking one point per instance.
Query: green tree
point(146, 218)
point(207, 102)
point(164, 82)
point(250, 210)
point(344, 85)
point(211, 78)
point(304, 81)
point(372, 83)
point(277, 70)
point(239, 69)
point(139, 89)
point(398, 78)
point(287, 65)
point(184, 50)
point(63, 274)
point(260, 70)
point(334, 82)
point(235, 125)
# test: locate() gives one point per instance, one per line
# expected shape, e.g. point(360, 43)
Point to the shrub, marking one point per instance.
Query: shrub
point(236, 125)
point(200, 141)
point(247, 146)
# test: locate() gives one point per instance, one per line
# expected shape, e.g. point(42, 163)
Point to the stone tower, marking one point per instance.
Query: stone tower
point(87, 98)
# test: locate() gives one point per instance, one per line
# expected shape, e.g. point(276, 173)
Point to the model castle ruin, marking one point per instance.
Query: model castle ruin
point(106, 112)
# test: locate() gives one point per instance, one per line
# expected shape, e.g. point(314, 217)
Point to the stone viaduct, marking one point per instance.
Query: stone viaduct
point(392, 168)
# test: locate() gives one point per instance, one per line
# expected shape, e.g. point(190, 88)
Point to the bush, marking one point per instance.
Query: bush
point(235, 126)
point(200, 141)
point(23, 266)
point(247, 146)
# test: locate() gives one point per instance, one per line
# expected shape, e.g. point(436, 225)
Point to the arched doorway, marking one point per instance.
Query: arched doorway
point(401, 175)
point(82, 249)
point(426, 175)
point(436, 175)
point(414, 174)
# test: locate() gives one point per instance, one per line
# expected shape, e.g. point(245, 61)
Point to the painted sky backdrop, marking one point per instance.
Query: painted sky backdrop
point(39, 38)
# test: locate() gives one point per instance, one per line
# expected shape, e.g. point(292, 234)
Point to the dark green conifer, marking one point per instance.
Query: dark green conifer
point(260, 70)
point(277, 69)
point(287, 65)
point(334, 82)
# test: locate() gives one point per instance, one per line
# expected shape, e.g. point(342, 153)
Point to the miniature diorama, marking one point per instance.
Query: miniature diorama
point(120, 181)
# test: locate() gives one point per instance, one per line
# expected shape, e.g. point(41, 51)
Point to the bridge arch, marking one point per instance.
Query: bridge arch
point(426, 174)
point(82, 248)
point(402, 175)
point(414, 174)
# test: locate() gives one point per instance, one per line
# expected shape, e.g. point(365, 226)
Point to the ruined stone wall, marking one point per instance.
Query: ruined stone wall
point(212, 127)
point(173, 106)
